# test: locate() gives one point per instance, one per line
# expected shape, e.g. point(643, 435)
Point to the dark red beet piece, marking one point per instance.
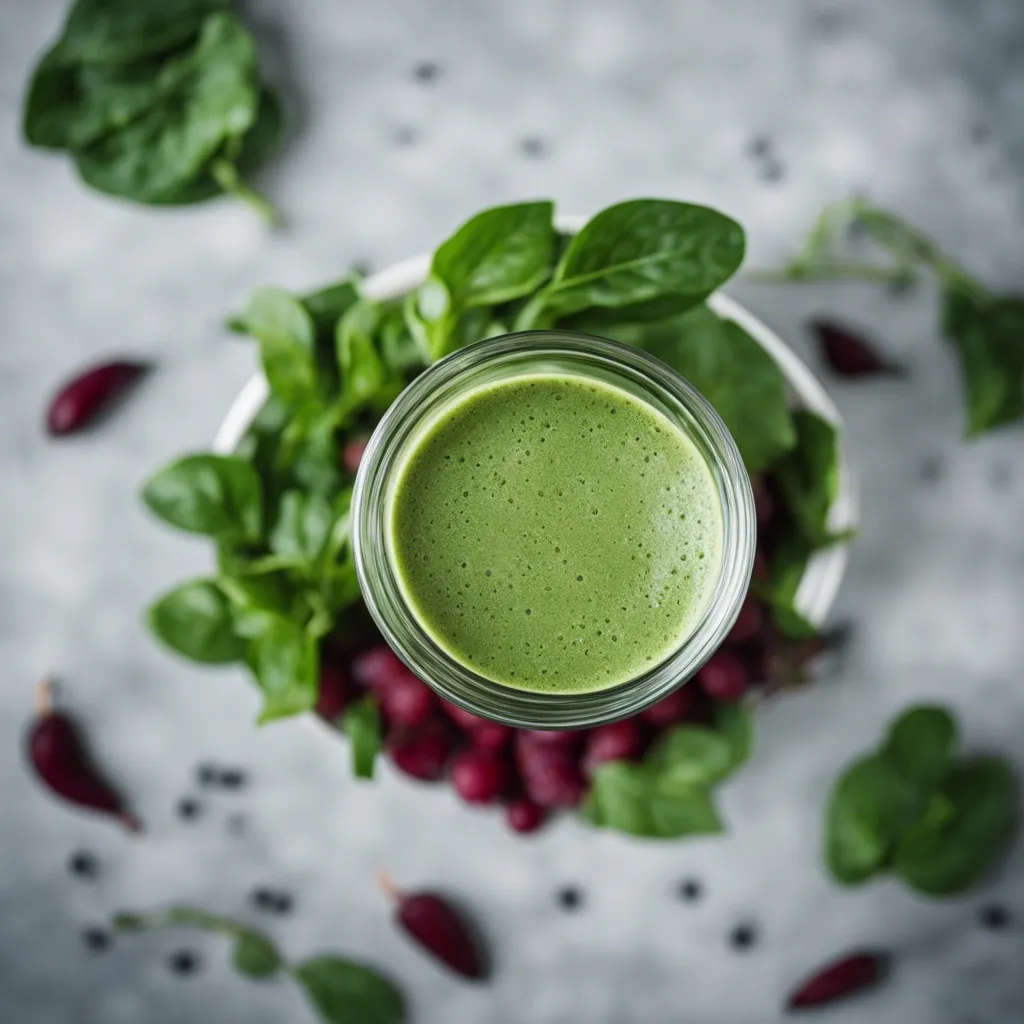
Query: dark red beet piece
point(333, 693)
point(479, 776)
point(422, 752)
point(852, 973)
point(60, 759)
point(352, 454)
point(764, 502)
point(618, 741)
point(378, 666)
point(724, 677)
point(465, 720)
point(551, 775)
point(524, 815)
point(406, 700)
point(679, 706)
point(748, 622)
point(851, 355)
point(432, 922)
point(82, 398)
point(762, 570)
point(559, 739)
point(491, 736)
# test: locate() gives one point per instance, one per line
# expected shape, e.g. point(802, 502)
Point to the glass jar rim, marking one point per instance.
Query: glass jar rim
point(434, 391)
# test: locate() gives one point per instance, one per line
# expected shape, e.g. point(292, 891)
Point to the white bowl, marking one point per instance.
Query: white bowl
point(824, 572)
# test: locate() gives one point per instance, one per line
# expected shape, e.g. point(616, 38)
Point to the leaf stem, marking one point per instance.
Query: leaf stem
point(225, 173)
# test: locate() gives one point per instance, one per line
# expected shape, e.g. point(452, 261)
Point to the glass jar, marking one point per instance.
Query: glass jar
point(445, 384)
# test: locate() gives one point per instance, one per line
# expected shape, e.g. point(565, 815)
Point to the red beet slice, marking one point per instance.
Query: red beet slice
point(465, 720)
point(432, 922)
point(85, 396)
point(352, 454)
point(619, 741)
point(551, 776)
point(378, 666)
point(724, 677)
point(491, 736)
point(524, 815)
point(748, 623)
point(59, 757)
point(333, 696)
point(479, 776)
point(558, 739)
point(406, 700)
point(422, 752)
point(679, 706)
point(843, 977)
point(850, 354)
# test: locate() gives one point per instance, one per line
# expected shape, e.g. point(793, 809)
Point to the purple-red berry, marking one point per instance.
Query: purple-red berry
point(618, 741)
point(479, 776)
point(524, 815)
point(679, 706)
point(724, 677)
point(421, 752)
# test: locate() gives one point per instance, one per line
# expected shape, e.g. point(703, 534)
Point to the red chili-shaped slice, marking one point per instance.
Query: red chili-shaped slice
point(851, 355)
point(851, 973)
point(433, 923)
point(60, 760)
point(85, 396)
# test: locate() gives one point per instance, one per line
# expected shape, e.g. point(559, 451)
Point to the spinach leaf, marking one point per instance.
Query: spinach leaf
point(286, 334)
point(638, 251)
point(195, 620)
point(363, 373)
point(316, 463)
point(159, 154)
point(344, 992)
point(870, 806)
point(327, 305)
point(736, 726)
point(635, 799)
point(214, 495)
point(952, 851)
point(284, 657)
point(124, 31)
point(255, 955)
point(921, 745)
point(362, 725)
point(304, 523)
point(498, 255)
point(731, 371)
point(398, 347)
point(789, 562)
point(70, 106)
point(691, 755)
point(989, 339)
point(808, 477)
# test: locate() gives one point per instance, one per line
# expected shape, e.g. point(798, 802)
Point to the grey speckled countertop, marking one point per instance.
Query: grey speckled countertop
point(917, 102)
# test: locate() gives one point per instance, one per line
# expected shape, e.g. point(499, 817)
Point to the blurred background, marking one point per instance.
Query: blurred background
point(404, 119)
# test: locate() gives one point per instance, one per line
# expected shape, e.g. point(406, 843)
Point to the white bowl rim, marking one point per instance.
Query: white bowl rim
point(824, 573)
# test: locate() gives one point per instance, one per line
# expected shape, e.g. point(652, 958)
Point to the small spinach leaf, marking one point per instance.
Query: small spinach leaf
point(195, 620)
point(284, 657)
point(344, 992)
point(989, 339)
point(808, 477)
point(362, 725)
point(950, 852)
point(255, 956)
point(363, 373)
point(921, 744)
point(286, 336)
point(304, 523)
point(691, 755)
point(214, 495)
point(638, 251)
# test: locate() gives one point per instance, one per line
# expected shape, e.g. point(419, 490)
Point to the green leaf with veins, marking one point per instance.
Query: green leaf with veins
point(344, 992)
point(950, 849)
point(215, 495)
point(303, 526)
point(194, 619)
point(639, 251)
point(361, 723)
point(989, 339)
point(284, 657)
point(921, 745)
point(731, 371)
point(691, 755)
point(125, 31)
point(158, 155)
point(363, 373)
point(808, 477)
point(870, 807)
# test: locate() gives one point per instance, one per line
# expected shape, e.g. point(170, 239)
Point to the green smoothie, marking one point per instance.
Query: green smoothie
point(555, 534)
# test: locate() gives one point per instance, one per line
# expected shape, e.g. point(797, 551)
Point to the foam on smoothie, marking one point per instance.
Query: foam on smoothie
point(555, 534)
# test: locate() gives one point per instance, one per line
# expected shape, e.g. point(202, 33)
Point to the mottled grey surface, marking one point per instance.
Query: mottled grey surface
point(917, 101)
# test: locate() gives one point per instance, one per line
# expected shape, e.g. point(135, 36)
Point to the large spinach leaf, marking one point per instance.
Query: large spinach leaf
point(195, 620)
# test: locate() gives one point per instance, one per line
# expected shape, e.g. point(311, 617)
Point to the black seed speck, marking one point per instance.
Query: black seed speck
point(96, 939)
point(690, 890)
point(83, 864)
point(426, 71)
point(189, 809)
point(184, 962)
point(743, 936)
point(533, 147)
point(994, 917)
point(930, 469)
point(569, 897)
point(760, 146)
point(207, 774)
point(772, 171)
point(233, 778)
